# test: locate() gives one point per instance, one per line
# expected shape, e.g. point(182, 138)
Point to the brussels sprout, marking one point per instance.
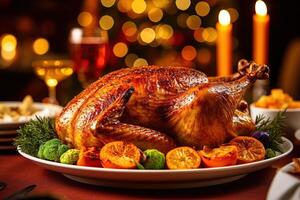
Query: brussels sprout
point(40, 152)
point(70, 156)
point(270, 153)
point(154, 159)
point(52, 150)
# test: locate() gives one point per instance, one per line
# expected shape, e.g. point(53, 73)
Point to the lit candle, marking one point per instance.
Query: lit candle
point(261, 21)
point(224, 44)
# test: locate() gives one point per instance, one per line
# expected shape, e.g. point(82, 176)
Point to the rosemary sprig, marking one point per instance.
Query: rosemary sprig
point(274, 127)
point(34, 133)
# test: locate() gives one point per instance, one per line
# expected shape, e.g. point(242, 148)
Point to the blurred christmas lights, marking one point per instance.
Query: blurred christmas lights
point(40, 46)
point(106, 22)
point(85, 19)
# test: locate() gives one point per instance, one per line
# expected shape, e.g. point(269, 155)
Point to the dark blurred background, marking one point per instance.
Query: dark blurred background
point(190, 42)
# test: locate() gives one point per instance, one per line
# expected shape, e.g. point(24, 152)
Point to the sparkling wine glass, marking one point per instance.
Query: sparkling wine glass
point(52, 72)
point(89, 54)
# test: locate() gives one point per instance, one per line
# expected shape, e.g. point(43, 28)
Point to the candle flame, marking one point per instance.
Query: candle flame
point(224, 17)
point(260, 8)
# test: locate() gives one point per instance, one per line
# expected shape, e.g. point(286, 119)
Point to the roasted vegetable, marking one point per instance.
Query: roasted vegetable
point(70, 156)
point(219, 157)
point(52, 150)
point(154, 159)
point(89, 156)
point(263, 137)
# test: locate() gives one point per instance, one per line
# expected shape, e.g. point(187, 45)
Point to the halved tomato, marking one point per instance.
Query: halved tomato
point(249, 149)
point(89, 156)
point(219, 157)
point(120, 154)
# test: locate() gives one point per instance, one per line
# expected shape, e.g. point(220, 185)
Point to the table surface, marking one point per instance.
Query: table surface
point(18, 172)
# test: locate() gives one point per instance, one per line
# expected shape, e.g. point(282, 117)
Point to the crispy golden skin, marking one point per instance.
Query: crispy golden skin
point(157, 107)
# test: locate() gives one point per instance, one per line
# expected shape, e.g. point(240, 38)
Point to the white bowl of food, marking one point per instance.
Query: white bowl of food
point(278, 101)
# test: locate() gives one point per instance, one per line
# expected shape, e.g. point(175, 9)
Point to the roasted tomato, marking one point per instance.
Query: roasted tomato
point(119, 154)
point(219, 157)
point(89, 156)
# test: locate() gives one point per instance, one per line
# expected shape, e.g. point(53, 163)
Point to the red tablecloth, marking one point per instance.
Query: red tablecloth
point(18, 172)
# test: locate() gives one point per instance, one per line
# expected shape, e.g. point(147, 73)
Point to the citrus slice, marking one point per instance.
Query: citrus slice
point(219, 157)
point(120, 154)
point(249, 149)
point(183, 158)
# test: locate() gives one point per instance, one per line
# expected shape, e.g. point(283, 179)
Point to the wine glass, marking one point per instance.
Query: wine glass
point(52, 72)
point(89, 54)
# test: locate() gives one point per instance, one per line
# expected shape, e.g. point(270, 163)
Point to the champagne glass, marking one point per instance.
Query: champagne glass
point(52, 72)
point(89, 54)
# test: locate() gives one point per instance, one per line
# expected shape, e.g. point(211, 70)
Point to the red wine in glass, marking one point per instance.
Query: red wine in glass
point(90, 57)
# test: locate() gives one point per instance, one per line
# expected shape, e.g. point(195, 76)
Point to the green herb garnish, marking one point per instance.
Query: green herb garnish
point(274, 127)
point(34, 133)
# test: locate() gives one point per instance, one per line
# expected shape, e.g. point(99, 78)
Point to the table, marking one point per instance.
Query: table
point(19, 172)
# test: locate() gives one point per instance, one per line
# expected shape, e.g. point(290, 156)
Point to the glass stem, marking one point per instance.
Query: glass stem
point(52, 93)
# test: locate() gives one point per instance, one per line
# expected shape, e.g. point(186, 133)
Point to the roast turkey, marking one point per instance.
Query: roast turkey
point(160, 107)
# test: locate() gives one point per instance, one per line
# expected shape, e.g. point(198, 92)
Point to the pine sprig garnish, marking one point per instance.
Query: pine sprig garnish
point(34, 133)
point(274, 127)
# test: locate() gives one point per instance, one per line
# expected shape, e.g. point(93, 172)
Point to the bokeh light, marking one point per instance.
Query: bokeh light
point(202, 8)
point(85, 19)
point(161, 3)
point(8, 42)
point(120, 49)
point(155, 14)
point(124, 5)
point(204, 56)
point(198, 35)
point(76, 35)
point(130, 58)
point(140, 62)
point(181, 20)
point(209, 34)
point(108, 3)
point(40, 46)
point(164, 31)
point(188, 53)
point(193, 22)
point(183, 4)
point(138, 6)
point(234, 14)
point(147, 35)
point(129, 28)
point(8, 55)
point(106, 22)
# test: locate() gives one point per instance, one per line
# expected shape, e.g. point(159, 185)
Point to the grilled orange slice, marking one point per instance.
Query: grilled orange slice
point(183, 158)
point(120, 155)
point(249, 149)
point(219, 157)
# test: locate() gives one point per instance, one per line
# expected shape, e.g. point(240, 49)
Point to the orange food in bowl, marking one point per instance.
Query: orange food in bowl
point(278, 100)
point(183, 158)
point(249, 149)
point(89, 156)
point(120, 155)
point(219, 157)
